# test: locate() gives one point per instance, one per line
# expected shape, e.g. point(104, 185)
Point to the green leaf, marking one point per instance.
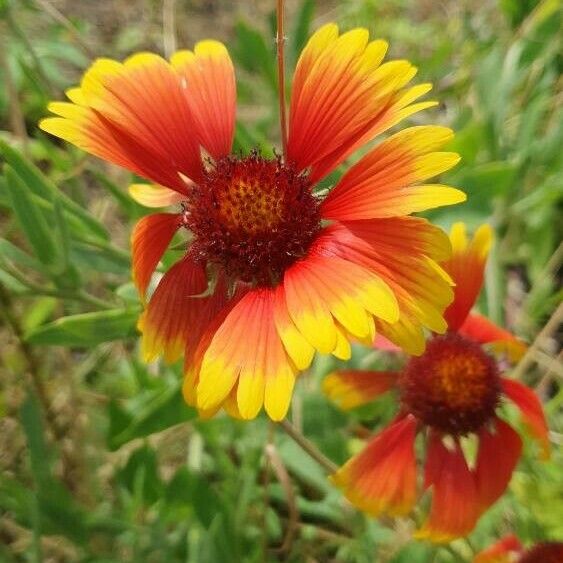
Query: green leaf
point(87, 329)
point(193, 490)
point(32, 222)
point(158, 410)
point(140, 475)
point(45, 189)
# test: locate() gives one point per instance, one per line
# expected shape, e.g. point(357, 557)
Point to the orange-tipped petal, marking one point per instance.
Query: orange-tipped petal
point(505, 550)
point(454, 508)
point(247, 351)
point(153, 195)
point(532, 411)
point(382, 477)
point(482, 330)
point(381, 183)
point(353, 388)
point(210, 91)
point(498, 454)
point(324, 293)
point(133, 114)
point(402, 252)
point(176, 311)
point(150, 238)
point(343, 96)
point(466, 267)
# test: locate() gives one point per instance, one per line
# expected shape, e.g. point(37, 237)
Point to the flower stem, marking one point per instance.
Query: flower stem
point(280, 41)
point(308, 446)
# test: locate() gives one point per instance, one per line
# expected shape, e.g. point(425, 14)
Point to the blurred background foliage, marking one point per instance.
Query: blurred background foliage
point(100, 459)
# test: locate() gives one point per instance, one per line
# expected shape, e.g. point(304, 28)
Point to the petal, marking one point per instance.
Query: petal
point(484, 331)
point(380, 184)
point(133, 114)
point(454, 508)
point(498, 454)
point(382, 477)
point(151, 195)
point(176, 311)
point(150, 238)
point(505, 550)
point(210, 91)
point(466, 267)
point(246, 349)
point(322, 290)
point(352, 388)
point(295, 344)
point(343, 97)
point(532, 411)
point(401, 252)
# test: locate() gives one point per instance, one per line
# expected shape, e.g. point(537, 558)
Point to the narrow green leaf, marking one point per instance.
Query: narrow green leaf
point(45, 189)
point(87, 329)
point(301, 28)
point(32, 221)
point(160, 409)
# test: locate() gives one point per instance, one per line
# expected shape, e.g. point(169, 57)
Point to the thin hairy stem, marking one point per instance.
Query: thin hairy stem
point(280, 41)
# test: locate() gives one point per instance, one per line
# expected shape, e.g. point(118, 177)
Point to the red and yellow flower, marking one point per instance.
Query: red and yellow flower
point(452, 391)
point(510, 550)
point(273, 270)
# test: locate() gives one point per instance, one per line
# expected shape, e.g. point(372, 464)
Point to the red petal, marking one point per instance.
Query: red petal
point(381, 183)
point(466, 267)
point(382, 477)
point(402, 251)
point(454, 508)
point(503, 551)
point(352, 388)
point(150, 238)
point(133, 114)
point(484, 331)
point(497, 457)
point(342, 98)
point(532, 411)
point(174, 311)
point(210, 93)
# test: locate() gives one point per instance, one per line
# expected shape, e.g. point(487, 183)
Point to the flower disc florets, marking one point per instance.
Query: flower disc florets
point(453, 387)
point(253, 216)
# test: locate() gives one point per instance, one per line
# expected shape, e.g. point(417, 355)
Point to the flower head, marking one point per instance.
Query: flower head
point(272, 270)
point(452, 391)
point(510, 550)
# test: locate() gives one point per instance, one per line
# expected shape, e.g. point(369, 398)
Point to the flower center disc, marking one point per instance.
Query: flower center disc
point(254, 217)
point(454, 386)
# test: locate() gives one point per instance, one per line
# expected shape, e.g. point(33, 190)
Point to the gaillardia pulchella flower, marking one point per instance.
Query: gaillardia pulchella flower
point(510, 550)
point(272, 270)
point(455, 390)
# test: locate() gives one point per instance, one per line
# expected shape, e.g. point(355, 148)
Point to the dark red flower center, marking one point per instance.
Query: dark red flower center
point(546, 552)
point(454, 386)
point(253, 217)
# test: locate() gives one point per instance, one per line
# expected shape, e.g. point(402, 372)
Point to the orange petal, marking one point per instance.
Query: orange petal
point(323, 290)
point(532, 411)
point(484, 331)
point(150, 238)
point(454, 508)
point(133, 114)
point(380, 184)
point(247, 350)
point(352, 388)
point(175, 311)
point(210, 92)
point(498, 454)
point(153, 195)
point(382, 477)
point(466, 267)
point(505, 550)
point(343, 97)
point(402, 252)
